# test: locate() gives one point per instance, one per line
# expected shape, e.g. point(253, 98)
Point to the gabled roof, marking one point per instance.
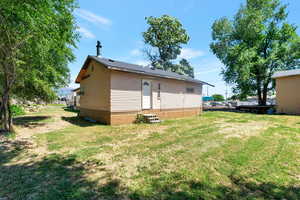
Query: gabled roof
point(287, 73)
point(122, 66)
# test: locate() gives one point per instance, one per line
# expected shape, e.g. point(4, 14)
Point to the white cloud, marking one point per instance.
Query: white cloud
point(142, 62)
point(188, 53)
point(210, 66)
point(92, 17)
point(85, 32)
point(208, 71)
point(135, 52)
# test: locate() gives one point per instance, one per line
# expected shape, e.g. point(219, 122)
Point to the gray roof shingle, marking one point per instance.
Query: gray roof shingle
point(122, 66)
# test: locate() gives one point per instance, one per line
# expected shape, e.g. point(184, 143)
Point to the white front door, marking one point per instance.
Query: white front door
point(146, 94)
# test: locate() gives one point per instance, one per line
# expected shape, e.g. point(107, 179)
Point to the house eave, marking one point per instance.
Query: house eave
point(287, 73)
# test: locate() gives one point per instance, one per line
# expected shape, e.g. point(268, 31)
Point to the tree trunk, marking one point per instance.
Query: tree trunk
point(265, 94)
point(10, 118)
point(6, 114)
point(259, 92)
point(259, 97)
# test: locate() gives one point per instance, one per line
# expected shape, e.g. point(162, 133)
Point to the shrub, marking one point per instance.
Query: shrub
point(218, 97)
point(17, 110)
point(140, 119)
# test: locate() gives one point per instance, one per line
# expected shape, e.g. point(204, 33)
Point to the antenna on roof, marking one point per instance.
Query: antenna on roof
point(98, 47)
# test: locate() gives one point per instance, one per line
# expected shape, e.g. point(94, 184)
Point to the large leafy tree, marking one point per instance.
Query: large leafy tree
point(36, 40)
point(166, 35)
point(253, 45)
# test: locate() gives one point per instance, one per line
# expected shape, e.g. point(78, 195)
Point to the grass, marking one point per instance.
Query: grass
point(218, 155)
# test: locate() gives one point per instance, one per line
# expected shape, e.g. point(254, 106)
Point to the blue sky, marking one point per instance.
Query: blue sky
point(118, 24)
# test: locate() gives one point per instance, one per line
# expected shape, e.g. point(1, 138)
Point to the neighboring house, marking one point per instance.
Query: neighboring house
point(288, 91)
point(114, 92)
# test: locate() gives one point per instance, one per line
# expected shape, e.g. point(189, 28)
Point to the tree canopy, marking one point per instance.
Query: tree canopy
point(183, 68)
point(218, 97)
point(166, 35)
point(253, 45)
point(36, 41)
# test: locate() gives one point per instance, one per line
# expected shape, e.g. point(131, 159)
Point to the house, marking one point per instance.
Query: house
point(288, 91)
point(114, 92)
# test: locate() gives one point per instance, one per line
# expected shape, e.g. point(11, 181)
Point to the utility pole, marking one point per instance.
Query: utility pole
point(207, 91)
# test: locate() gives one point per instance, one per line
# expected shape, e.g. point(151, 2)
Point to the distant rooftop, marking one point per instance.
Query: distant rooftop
point(287, 73)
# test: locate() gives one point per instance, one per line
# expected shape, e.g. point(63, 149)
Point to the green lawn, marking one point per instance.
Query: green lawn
point(218, 155)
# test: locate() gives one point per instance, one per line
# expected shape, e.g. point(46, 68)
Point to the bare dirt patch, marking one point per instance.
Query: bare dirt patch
point(27, 132)
point(30, 125)
point(51, 123)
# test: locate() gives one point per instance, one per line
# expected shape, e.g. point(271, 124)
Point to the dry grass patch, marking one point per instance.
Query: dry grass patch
point(244, 130)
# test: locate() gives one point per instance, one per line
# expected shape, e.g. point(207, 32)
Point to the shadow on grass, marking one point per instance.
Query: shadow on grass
point(64, 177)
point(52, 177)
point(178, 188)
point(232, 110)
point(249, 109)
point(30, 121)
point(78, 121)
point(69, 109)
point(9, 149)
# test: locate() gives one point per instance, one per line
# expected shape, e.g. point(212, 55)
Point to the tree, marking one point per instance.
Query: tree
point(186, 67)
point(255, 44)
point(183, 68)
point(36, 40)
point(166, 35)
point(237, 97)
point(218, 97)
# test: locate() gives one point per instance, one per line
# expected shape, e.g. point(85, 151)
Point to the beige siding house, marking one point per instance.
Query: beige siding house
point(114, 92)
point(288, 91)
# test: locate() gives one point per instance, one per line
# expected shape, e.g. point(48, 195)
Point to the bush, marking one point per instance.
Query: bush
point(218, 97)
point(140, 119)
point(17, 110)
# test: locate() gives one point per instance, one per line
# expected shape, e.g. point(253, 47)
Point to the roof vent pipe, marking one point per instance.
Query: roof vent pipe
point(98, 47)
